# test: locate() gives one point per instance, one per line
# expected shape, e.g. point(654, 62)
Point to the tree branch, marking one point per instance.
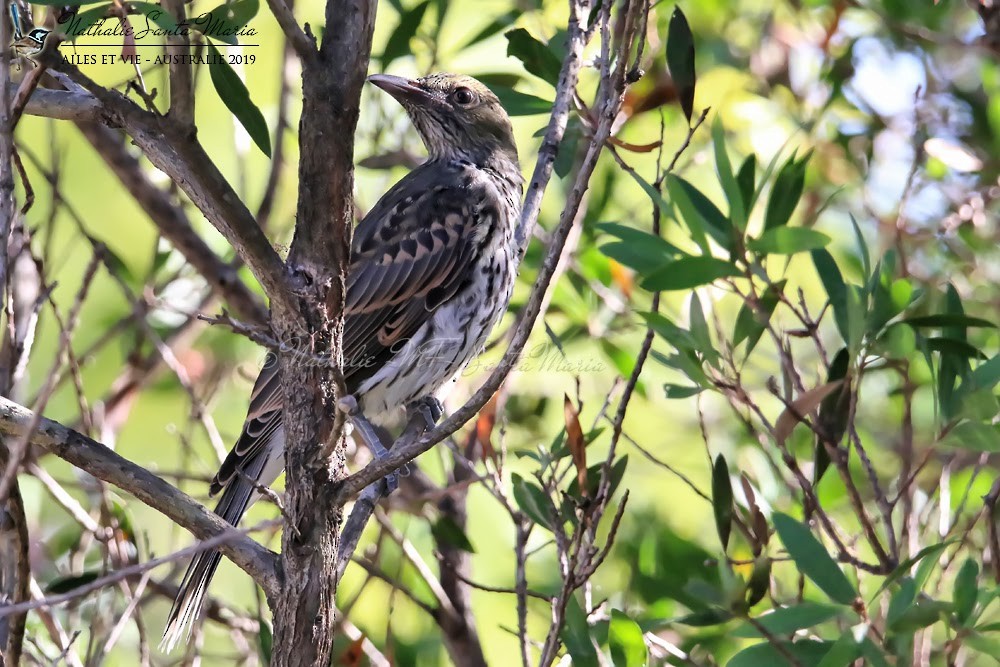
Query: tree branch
point(175, 151)
point(173, 223)
point(101, 462)
point(408, 449)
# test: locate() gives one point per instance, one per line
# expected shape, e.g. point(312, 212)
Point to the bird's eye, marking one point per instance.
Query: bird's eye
point(463, 97)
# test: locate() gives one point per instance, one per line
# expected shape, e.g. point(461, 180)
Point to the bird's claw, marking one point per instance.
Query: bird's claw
point(349, 406)
point(428, 408)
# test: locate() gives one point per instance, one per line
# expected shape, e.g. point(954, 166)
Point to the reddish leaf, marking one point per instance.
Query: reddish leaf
point(800, 407)
point(622, 277)
point(351, 657)
point(576, 444)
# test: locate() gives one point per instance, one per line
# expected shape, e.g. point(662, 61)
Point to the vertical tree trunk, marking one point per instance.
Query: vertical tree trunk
point(304, 613)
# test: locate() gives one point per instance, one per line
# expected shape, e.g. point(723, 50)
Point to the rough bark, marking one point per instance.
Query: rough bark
point(305, 611)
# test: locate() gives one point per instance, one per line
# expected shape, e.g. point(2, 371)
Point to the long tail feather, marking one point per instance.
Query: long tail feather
point(235, 499)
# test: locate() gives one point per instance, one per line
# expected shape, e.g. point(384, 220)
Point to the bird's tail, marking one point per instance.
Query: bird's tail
point(235, 499)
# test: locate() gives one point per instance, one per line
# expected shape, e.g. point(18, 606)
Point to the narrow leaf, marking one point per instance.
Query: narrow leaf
point(533, 501)
point(786, 192)
point(576, 443)
point(813, 560)
point(398, 44)
point(628, 648)
point(786, 620)
point(537, 57)
point(689, 272)
point(801, 407)
point(788, 241)
point(752, 322)
point(236, 97)
point(724, 168)
point(722, 500)
point(746, 179)
point(446, 531)
point(680, 60)
point(966, 590)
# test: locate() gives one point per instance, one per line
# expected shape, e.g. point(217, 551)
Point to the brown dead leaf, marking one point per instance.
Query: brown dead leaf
point(485, 424)
point(634, 148)
point(576, 444)
point(803, 405)
point(351, 657)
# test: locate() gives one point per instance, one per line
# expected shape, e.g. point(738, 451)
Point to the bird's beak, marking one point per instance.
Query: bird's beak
point(404, 90)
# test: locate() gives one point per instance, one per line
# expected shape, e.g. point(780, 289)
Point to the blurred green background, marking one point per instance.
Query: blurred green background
point(865, 86)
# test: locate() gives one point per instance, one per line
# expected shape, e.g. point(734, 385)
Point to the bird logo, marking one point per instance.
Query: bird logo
point(26, 44)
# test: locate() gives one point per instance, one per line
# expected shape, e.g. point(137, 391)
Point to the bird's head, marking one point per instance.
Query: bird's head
point(455, 115)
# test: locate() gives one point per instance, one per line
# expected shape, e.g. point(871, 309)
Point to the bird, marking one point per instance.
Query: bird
point(431, 272)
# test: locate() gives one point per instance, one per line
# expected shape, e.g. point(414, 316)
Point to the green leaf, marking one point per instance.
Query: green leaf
point(751, 323)
point(224, 21)
point(533, 501)
point(786, 192)
point(163, 19)
point(63, 3)
point(537, 57)
point(952, 346)
point(807, 652)
point(759, 582)
point(71, 582)
point(787, 620)
point(638, 250)
point(948, 320)
point(983, 645)
point(699, 329)
point(974, 436)
point(931, 553)
point(628, 648)
point(677, 336)
point(866, 260)
point(493, 28)
point(680, 60)
point(966, 590)
point(985, 376)
point(698, 210)
point(901, 600)
point(788, 241)
point(676, 391)
point(689, 272)
point(725, 170)
point(235, 96)
point(265, 640)
point(576, 636)
point(813, 560)
point(857, 315)
point(746, 178)
point(890, 299)
point(398, 44)
point(446, 531)
point(521, 104)
point(616, 474)
point(706, 618)
point(722, 500)
point(847, 649)
point(919, 615)
point(836, 291)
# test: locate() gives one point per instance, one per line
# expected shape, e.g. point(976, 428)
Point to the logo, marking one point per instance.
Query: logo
point(26, 44)
point(139, 24)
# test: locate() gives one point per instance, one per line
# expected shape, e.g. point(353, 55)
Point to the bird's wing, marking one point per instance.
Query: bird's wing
point(412, 252)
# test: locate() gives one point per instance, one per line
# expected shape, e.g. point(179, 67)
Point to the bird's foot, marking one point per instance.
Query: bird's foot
point(428, 408)
point(349, 406)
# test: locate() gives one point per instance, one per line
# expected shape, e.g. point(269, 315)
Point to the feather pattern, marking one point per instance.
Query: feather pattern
point(431, 272)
